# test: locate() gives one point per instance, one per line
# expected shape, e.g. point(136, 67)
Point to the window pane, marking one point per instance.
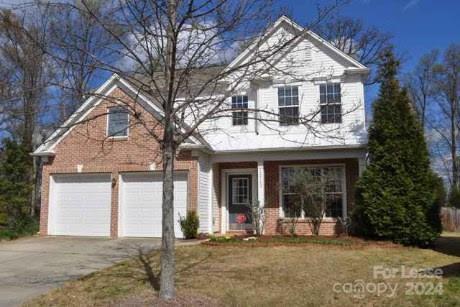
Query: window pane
point(291, 205)
point(281, 101)
point(334, 205)
point(240, 118)
point(322, 89)
point(118, 121)
point(329, 93)
point(331, 113)
point(289, 116)
point(280, 91)
point(239, 102)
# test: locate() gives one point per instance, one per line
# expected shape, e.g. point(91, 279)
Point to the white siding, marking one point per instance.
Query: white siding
point(311, 63)
point(204, 181)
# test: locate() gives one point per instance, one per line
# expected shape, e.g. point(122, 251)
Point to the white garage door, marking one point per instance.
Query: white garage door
point(140, 202)
point(80, 205)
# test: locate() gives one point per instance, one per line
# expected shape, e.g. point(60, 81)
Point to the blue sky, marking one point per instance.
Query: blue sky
point(417, 26)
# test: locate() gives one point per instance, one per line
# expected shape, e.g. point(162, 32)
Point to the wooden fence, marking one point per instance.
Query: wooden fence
point(450, 218)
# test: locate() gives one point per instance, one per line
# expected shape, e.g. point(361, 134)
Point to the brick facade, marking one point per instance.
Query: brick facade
point(87, 147)
point(274, 224)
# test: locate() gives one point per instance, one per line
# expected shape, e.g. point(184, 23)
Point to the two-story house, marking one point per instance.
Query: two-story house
point(114, 188)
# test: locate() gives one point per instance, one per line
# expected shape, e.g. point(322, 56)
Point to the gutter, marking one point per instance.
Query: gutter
point(42, 154)
point(199, 147)
point(357, 71)
point(278, 149)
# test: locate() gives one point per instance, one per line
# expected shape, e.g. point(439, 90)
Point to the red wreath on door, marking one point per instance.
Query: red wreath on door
point(241, 218)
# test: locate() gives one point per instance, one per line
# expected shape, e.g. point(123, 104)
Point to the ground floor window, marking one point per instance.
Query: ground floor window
point(331, 183)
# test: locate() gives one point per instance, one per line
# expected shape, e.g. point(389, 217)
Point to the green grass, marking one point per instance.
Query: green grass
point(272, 275)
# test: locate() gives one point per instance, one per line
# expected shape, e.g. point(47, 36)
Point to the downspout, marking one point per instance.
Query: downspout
point(256, 114)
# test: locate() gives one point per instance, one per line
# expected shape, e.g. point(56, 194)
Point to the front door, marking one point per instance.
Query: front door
point(240, 202)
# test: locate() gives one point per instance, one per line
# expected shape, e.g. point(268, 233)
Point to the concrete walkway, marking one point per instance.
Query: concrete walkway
point(32, 266)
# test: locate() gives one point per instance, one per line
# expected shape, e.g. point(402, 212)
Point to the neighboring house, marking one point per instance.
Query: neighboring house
point(114, 188)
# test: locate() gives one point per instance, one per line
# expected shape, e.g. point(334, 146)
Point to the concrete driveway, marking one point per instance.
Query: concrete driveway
point(32, 266)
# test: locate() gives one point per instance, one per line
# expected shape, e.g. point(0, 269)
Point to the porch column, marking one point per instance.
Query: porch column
point(261, 183)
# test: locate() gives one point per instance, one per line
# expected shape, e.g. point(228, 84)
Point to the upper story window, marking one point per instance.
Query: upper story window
point(288, 103)
point(331, 103)
point(240, 116)
point(118, 122)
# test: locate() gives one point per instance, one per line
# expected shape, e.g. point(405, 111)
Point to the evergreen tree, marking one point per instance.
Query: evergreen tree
point(396, 194)
point(15, 188)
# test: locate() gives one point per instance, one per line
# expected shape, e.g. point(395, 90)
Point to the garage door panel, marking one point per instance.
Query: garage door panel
point(81, 205)
point(141, 204)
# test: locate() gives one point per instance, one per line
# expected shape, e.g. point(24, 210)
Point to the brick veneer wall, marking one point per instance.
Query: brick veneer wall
point(86, 145)
point(275, 225)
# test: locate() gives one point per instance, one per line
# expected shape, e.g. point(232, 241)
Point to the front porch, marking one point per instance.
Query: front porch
point(239, 183)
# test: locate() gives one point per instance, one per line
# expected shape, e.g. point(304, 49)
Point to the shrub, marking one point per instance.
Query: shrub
point(8, 234)
point(189, 225)
point(223, 239)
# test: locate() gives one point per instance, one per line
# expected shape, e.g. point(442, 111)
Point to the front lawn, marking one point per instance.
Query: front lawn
point(275, 275)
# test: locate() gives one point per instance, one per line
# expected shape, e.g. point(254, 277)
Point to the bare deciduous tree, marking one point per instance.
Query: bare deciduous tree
point(420, 84)
point(173, 52)
point(446, 121)
point(24, 88)
point(352, 36)
point(77, 67)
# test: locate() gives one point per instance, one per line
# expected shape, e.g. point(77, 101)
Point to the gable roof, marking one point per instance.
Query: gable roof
point(286, 21)
point(115, 81)
point(148, 101)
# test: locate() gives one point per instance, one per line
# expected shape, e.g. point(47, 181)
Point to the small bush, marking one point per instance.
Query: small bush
point(25, 226)
point(7, 234)
point(224, 239)
point(189, 225)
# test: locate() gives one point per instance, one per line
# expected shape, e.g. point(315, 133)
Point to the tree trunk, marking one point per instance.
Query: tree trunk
point(167, 288)
point(453, 148)
point(168, 261)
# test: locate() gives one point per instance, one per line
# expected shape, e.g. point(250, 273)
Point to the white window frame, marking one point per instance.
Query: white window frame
point(332, 103)
point(344, 188)
point(290, 106)
point(108, 121)
point(240, 110)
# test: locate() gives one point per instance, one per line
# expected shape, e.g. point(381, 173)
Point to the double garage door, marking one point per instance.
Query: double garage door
point(80, 205)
